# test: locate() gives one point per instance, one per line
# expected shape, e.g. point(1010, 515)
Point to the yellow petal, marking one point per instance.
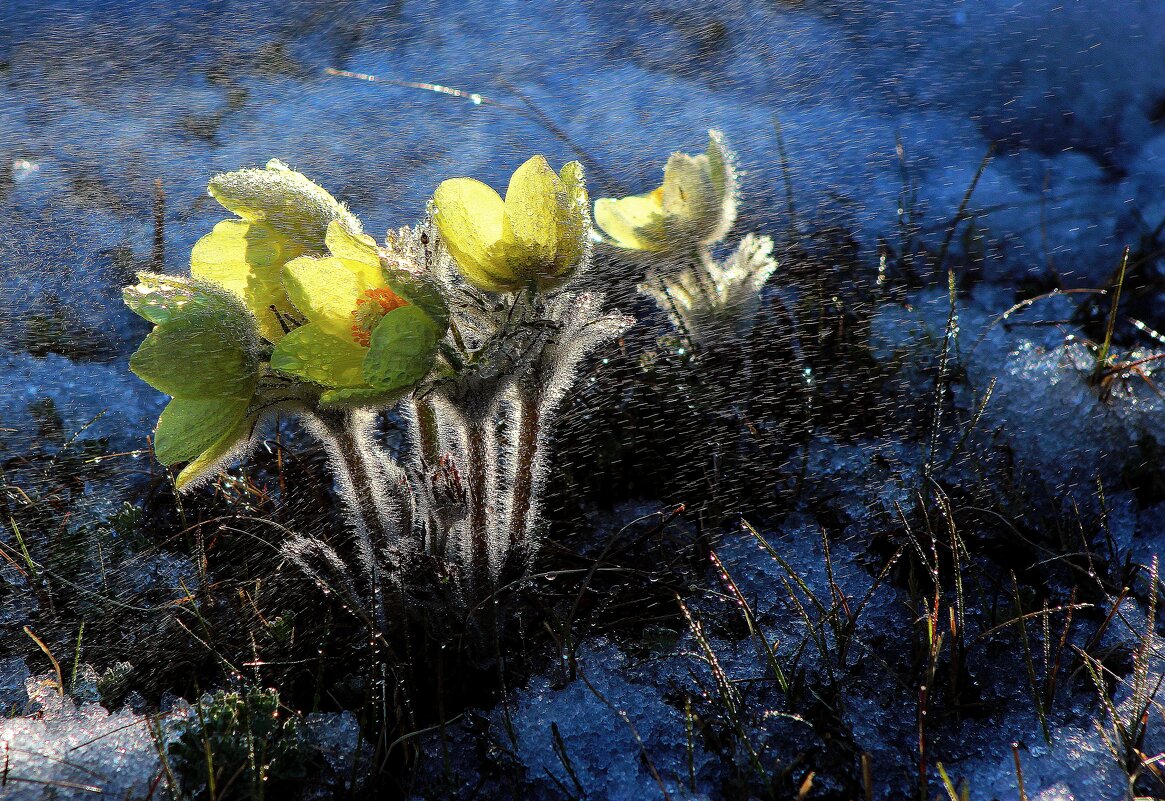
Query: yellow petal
point(688, 194)
point(633, 222)
point(531, 217)
point(283, 198)
point(574, 222)
point(721, 169)
point(214, 458)
point(325, 291)
point(245, 258)
point(722, 172)
point(312, 354)
point(359, 252)
point(469, 217)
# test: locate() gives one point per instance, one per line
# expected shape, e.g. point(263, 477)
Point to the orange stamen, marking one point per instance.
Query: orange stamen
point(370, 310)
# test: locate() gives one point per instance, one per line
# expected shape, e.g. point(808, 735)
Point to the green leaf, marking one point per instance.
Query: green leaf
point(284, 199)
point(312, 354)
point(188, 428)
point(193, 357)
point(401, 351)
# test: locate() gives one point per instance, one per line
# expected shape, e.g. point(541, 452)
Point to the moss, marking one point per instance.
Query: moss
point(241, 745)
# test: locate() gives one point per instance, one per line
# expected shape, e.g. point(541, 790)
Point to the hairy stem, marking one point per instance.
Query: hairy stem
point(363, 488)
point(478, 502)
point(522, 500)
point(427, 435)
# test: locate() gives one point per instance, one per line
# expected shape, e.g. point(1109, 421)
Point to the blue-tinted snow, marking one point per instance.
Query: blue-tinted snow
point(99, 100)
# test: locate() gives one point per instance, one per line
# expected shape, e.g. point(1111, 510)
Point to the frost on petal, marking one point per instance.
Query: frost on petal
point(284, 199)
point(163, 298)
point(572, 249)
point(725, 183)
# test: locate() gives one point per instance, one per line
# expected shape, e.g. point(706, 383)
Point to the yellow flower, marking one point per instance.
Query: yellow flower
point(372, 332)
point(203, 353)
point(538, 236)
point(282, 215)
point(694, 208)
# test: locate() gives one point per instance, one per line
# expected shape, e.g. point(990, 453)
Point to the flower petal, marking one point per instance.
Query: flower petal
point(312, 354)
point(574, 220)
point(245, 258)
point(721, 166)
point(722, 172)
point(401, 351)
point(359, 253)
point(689, 198)
point(421, 291)
point(192, 357)
point(284, 199)
point(163, 298)
point(189, 427)
point(213, 459)
point(532, 212)
point(634, 222)
point(325, 291)
point(469, 217)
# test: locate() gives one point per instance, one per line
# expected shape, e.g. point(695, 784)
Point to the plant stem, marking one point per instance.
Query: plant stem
point(427, 432)
point(362, 484)
point(522, 500)
point(478, 502)
point(1105, 349)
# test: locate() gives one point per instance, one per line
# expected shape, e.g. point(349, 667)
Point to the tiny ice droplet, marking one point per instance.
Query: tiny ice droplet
point(23, 168)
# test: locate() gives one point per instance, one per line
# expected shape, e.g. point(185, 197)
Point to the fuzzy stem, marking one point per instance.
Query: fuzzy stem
point(522, 500)
point(427, 435)
point(358, 471)
point(362, 488)
point(478, 501)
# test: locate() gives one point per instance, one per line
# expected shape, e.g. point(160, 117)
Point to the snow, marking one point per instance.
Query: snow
point(95, 106)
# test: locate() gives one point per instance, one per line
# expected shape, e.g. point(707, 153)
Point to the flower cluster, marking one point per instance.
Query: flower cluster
point(470, 323)
point(674, 229)
point(466, 321)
